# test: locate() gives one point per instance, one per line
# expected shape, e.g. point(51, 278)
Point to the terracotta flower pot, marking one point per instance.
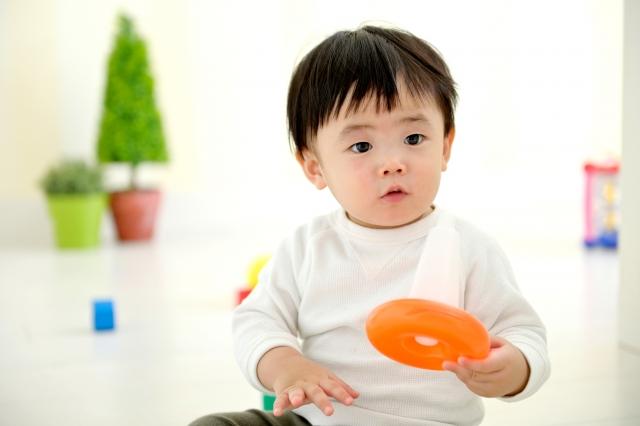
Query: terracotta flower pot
point(134, 213)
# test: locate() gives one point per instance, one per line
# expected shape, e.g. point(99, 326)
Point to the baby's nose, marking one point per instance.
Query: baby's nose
point(393, 166)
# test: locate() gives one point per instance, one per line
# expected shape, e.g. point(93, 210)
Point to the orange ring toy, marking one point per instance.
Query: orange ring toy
point(394, 326)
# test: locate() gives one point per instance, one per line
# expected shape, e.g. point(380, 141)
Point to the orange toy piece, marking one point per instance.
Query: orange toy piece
point(394, 326)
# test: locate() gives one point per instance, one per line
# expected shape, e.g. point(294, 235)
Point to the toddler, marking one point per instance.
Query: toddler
point(371, 114)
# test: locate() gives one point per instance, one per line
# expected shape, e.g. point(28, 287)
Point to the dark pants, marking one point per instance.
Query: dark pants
point(251, 418)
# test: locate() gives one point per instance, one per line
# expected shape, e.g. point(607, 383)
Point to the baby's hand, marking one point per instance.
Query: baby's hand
point(305, 382)
point(504, 372)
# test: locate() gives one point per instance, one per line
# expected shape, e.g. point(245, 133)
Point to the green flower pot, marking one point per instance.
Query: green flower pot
point(77, 219)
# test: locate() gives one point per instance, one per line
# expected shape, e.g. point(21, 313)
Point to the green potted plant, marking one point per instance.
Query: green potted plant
point(76, 203)
point(131, 131)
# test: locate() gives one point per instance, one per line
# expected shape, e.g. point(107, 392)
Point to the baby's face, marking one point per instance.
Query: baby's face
point(383, 167)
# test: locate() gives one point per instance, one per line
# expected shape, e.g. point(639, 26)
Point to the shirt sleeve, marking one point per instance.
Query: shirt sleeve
point(492, 295)
point(267, 318)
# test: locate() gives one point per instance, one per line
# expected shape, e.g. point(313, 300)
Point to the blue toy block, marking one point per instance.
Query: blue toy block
point(609, 240)
point(103, 315)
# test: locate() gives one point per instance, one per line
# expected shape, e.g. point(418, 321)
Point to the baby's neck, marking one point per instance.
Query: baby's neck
point(373, 226)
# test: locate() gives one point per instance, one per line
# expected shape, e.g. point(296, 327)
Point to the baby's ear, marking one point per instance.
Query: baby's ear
point(311, 167)
point(446, 147)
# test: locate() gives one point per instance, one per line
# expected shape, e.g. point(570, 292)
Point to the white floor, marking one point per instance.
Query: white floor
point(170, 360)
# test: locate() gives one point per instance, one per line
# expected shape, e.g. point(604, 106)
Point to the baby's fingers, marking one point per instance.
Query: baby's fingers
point(296, 397)
point(293, 397)
point(464, 374)
point(281, 403)
point(335, 390)
point(316, 395)
point(354, 393)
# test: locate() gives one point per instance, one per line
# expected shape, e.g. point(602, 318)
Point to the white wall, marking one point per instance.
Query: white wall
point(629, 316)
point(539, 82)
point(29, 119)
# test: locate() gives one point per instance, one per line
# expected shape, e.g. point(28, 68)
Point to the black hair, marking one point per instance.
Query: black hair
point(364, 63)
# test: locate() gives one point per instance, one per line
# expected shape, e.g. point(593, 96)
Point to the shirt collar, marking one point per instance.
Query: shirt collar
point(401, 234)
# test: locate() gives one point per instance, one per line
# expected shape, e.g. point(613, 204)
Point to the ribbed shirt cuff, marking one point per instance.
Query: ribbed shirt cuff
point(539, 371)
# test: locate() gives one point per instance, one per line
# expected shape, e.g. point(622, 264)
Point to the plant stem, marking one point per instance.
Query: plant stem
point(133, 177)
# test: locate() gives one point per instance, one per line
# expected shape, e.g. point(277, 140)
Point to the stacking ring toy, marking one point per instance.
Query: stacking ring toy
point(394, 326)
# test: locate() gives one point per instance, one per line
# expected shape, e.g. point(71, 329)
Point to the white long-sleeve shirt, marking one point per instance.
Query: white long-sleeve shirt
point(324, 280)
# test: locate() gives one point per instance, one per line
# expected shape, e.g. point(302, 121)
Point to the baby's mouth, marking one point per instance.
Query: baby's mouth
point(394, 192)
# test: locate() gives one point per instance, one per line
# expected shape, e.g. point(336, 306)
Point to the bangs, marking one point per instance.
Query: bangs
point(352, 68)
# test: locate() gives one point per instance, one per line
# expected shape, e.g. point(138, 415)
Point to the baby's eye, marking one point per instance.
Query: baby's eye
point(360, 147)
point(414, 139)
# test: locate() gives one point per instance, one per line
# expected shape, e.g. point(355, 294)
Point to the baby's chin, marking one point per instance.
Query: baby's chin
point(387, 222)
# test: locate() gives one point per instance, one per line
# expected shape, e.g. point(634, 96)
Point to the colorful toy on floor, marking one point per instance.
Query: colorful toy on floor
point(253, 272)
point(601, 204)
point(268, 401)
point(103, 315)
point(254, 269)
point(242, 294)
